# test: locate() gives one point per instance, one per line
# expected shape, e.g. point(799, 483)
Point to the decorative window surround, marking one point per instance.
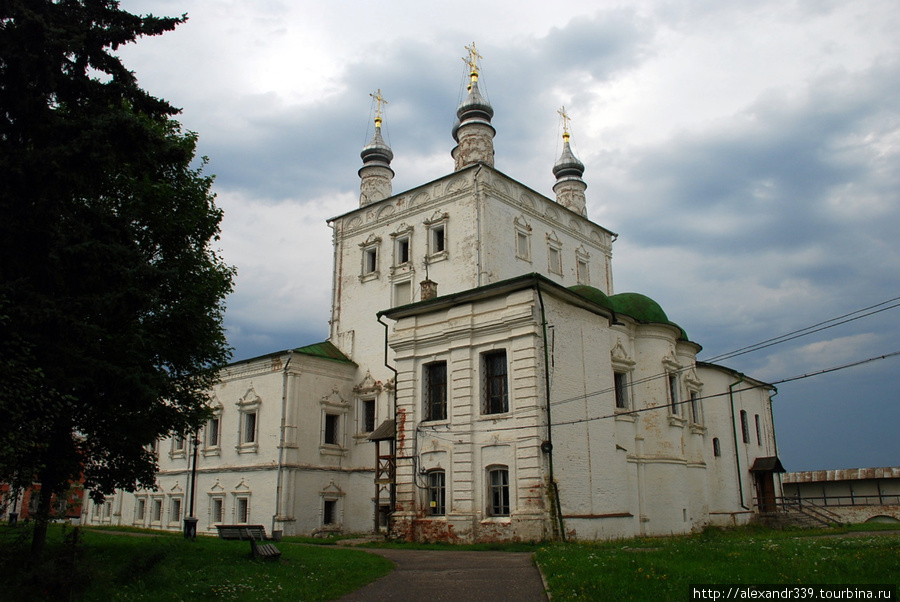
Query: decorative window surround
point(333, 405)
point(248, 426)
point(554, 254)
point(582, 266)
point(370, 258)
point(523, 238)
point(436, 227)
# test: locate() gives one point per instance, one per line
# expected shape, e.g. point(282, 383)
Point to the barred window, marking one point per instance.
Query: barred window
point(437, 493)
point(436, 391)
point(496, 396)
point(621, 383)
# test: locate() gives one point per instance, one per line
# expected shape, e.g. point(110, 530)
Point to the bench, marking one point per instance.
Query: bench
point(256, 534)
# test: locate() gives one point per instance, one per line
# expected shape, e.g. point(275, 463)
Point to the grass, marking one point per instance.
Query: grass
point(665, 568)
point(106, 565)
point(152, 565)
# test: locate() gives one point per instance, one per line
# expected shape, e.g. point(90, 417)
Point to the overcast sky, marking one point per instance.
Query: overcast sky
point(746, 152)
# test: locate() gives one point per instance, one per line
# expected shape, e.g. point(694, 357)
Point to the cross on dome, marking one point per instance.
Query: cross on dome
point(472, 61)
point(379, 101)
point(565, 119)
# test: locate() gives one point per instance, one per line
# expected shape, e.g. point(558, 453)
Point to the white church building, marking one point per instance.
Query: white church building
point(482, 380)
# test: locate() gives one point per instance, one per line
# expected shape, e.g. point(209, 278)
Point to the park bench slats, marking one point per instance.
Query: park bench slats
point(256, 534)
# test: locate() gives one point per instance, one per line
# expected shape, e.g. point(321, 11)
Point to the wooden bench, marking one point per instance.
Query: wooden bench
point(256, 534)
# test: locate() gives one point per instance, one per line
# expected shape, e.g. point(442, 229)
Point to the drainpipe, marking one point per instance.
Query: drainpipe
point(737, 456)
point(774, 440)
point(549, 447)
point(284, 396)
point(478, 226)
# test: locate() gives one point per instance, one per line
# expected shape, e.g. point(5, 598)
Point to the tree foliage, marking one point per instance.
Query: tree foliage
point(111, 293)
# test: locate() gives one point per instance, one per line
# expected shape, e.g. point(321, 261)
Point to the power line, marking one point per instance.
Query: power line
point(837, 321)
point(808, 330)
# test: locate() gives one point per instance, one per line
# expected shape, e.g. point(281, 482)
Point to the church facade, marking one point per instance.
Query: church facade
point(482, 381)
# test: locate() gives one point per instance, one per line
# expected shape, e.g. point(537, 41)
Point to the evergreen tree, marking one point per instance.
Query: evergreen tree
point(111, 293)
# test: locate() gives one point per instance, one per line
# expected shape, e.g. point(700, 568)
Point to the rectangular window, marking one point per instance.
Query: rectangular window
point(402, 293)
point(176, 510)
point(157, 511)
point(621, 382)
point(555, 259)
point(368, 415)
point(436, 391)
point(212, 432)
point(178, 444)
point(139, 511)
point(758, 434)
point(329, 512)
point(218, 511)
point(745, 428)
point(717, 451)
point(332, 434)
point(437, 240)
point(401, 251)
point(673, 394)
point(523, 246)
point(583, 273)
point(695, 408)
point(249, 432)
point(496, 398)
point(242, 511)
point(370, 260)
point(436, 493)
point(498, 490)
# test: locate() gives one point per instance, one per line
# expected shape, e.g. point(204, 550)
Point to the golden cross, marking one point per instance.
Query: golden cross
point(566, 119)
point(472, 60)
point(379, 99)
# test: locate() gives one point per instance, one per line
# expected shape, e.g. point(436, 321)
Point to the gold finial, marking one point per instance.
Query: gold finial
point(379, 100)
point(566, 119)
point(472, 62)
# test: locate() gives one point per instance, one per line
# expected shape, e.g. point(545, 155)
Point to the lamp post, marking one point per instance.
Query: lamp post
point(190, 521)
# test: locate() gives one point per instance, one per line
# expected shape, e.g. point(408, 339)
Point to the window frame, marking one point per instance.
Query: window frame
point(673, 394)
point(431, 387)
point(367, 413)
point(696, 408)
point(498, 498)
point(242, 506)
point(489, 377)
point(402, 250)
point(437, 492)
point(622, 401)
point(331, 434)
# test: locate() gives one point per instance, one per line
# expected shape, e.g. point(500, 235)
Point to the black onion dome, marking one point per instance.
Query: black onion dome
point(377, 150)
point(475, 107)
point(568, 165)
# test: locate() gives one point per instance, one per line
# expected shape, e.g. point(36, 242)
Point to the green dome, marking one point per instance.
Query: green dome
point(595, 295)
point(640, 307)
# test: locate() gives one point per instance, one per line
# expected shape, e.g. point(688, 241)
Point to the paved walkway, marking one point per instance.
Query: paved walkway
point(451, 575)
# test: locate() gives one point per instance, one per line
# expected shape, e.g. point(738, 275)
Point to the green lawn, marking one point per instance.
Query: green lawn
point(109, 565)
point(664, 568)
